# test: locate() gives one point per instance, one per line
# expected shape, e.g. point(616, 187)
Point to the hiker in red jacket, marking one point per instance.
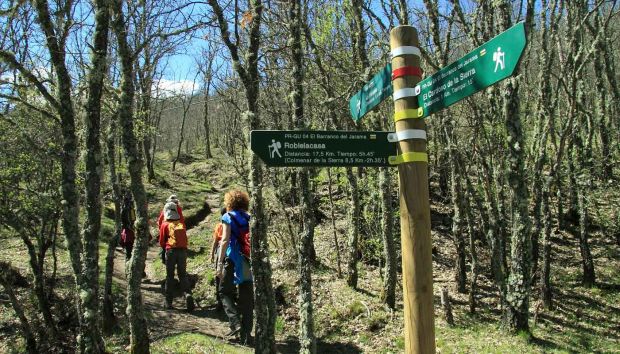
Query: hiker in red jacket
point(173, 238)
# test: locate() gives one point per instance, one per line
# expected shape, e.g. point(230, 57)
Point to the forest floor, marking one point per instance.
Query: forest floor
point(347, 320)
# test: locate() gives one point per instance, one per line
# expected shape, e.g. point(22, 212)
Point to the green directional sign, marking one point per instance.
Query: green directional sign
point(293, 148)
point(373, 93)
point(493, 61)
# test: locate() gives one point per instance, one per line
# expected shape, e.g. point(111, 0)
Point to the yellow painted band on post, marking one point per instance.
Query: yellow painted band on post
point(408, 157)
point(409, 114)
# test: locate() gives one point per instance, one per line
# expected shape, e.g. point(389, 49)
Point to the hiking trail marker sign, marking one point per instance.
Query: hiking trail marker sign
point(373, 93)
point(294, 148)
point(484, 66)
point(493, 61)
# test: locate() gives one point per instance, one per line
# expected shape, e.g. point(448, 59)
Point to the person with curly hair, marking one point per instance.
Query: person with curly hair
point(233, 266)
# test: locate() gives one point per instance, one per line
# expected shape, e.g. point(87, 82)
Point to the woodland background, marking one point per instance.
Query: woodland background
point(523, 176)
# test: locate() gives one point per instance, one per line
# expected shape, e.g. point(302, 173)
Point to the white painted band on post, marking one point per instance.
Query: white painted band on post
point(406, 92)
point(407, 134)
point(404, 50)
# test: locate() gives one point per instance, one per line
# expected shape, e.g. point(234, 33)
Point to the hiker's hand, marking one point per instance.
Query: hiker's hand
point(218, 272)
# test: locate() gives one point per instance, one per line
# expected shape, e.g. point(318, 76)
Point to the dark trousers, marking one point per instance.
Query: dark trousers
point(176, 258)
point(238, 307)
point(217, 293)
point(128, 250)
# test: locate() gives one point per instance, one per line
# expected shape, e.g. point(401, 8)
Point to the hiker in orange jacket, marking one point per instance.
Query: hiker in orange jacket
point(215, 247)
point(173, 238)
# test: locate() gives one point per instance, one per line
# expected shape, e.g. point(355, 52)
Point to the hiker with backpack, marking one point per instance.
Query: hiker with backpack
point(215, 247)
point(233, 266)
point(160, 219)
point(173, 238)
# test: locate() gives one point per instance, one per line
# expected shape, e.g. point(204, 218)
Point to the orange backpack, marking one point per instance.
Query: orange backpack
point(177, 237)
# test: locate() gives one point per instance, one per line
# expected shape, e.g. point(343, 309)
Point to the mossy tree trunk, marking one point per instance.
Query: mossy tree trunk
point(307, 339)
point(139, 336)
point(108, 302)
point(518, 284)
point(94, 173)
point(354, 229)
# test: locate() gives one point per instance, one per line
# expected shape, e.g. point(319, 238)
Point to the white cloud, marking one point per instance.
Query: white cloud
point(171, 87)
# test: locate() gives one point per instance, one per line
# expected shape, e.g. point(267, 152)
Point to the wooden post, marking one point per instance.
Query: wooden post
point(415, 219)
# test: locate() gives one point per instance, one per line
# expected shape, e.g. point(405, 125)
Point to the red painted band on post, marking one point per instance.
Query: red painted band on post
point(406, 70)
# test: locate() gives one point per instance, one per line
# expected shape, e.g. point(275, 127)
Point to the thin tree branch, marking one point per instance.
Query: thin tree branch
point(11, 61)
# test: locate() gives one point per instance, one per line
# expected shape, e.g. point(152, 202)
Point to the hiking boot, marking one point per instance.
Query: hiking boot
point(189, 303)
point(246, 340)
point(234, 332)
point(168, 304)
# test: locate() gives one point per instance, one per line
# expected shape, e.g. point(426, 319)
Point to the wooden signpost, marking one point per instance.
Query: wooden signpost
point(415, 218)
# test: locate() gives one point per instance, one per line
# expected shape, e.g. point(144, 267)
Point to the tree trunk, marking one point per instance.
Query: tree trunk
point(149, 154)
point(545, 277)
point(473, 279)
point(206, 125)
point(359, 42)
point(307, 339)
point(109, 319)
point(174, 163)
point(388, 292)
point(589, 278)
point(494, 240)
point(7, 273)
point(446, 306)
point(456, 194)
point(601, 103)
point(333, 218)
point(89, 292)
point(354, 229)
point(572, 213)
point(139, 336)
point(36, 266)
point(518, 286)
point(64, 106)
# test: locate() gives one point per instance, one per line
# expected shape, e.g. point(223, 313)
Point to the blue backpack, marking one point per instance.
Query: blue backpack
point(238, 250)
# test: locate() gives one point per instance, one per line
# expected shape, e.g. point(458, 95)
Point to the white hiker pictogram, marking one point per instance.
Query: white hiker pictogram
point(498, 58)
point(274, 148)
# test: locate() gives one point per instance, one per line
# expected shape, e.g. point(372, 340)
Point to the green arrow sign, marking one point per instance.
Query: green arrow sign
point(373, 93)
point(493, 61)
point(321, 148)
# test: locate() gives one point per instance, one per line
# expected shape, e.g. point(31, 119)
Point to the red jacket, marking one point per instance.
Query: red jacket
point(172, 234)
point(160, 219)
